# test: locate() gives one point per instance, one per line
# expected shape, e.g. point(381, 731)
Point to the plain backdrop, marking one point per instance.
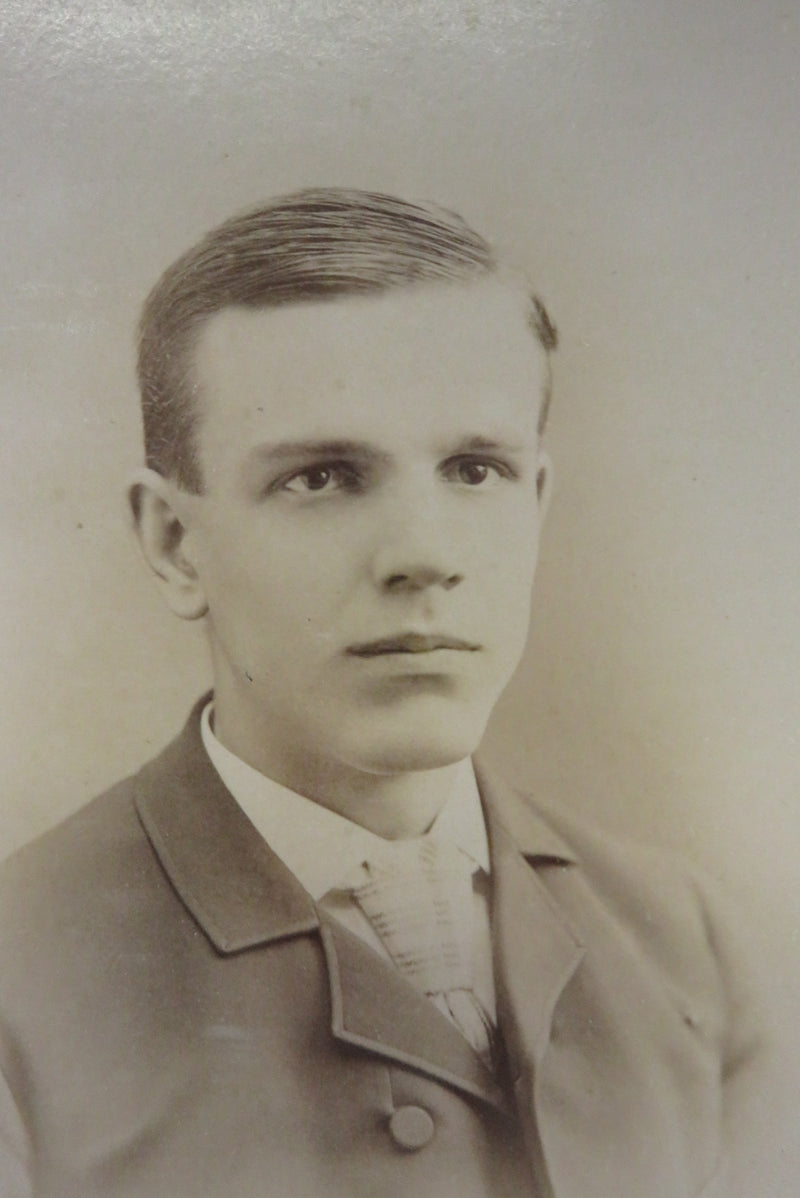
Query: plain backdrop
point(639, 159)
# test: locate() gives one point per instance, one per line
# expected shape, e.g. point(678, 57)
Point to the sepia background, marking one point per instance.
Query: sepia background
point(640, 159)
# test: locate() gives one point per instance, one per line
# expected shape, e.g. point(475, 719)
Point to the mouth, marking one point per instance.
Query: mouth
point(411, 642)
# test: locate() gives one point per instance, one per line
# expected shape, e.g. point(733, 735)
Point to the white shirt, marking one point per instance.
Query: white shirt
point(324, 850)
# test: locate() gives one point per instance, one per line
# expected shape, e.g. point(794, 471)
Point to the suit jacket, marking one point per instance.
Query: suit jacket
point(178, 1019)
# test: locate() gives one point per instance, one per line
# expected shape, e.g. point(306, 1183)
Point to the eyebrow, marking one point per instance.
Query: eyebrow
point(281, 451)
point(488, 445)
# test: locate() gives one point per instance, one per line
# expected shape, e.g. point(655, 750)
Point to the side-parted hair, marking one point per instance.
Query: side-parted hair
point(310, 245)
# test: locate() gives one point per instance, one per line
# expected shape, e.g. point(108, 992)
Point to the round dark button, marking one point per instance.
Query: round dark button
point(411, 1127)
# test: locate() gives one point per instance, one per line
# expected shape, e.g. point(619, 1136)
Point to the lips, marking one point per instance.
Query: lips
point(411, 642)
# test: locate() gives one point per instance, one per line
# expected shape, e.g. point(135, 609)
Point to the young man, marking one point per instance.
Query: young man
point(310, 949)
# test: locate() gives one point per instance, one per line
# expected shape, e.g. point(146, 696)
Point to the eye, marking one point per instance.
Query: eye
point(325, 477)
point(474, 471)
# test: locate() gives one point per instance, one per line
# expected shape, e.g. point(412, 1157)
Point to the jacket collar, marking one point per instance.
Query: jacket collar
point(237, 889)
point(511, 811)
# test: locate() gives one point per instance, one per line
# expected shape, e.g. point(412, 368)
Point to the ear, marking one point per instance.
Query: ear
point(544, 483)
point(160, 522)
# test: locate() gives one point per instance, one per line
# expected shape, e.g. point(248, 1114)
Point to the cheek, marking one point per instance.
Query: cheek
point(508, 585)
point(511, 553)
point(283, 611)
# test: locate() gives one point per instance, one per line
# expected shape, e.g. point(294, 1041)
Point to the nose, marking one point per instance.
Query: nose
point(416, 553)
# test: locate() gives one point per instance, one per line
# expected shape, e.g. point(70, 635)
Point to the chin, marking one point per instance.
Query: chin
point(430, 746)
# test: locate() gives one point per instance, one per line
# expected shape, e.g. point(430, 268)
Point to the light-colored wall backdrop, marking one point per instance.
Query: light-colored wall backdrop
point(641, 160)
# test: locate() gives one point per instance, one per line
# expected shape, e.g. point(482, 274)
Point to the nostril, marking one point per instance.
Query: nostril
point(417, 580)
point(396, 580)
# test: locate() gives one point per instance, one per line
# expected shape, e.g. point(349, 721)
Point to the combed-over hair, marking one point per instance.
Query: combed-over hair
point(312, 244)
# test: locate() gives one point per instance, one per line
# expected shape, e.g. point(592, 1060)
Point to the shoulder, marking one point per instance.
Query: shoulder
point(657, 908)
point(98, 861)
point(662, 895)
point(74, 887)
point(678, 913)
point(637, 882)
point(97, 946)
point(613, 890)
point(88, 897)
point(95, 841)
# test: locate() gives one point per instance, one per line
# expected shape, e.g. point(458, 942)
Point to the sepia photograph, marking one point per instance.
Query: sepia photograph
point(399, 456)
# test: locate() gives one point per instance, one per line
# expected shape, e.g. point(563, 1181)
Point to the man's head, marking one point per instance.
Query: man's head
point(345, 477)
point(313, 244)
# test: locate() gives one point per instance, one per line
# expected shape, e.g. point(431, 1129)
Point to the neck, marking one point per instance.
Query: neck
point(395, 806)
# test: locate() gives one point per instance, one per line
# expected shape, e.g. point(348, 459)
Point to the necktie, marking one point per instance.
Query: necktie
point(413, 895)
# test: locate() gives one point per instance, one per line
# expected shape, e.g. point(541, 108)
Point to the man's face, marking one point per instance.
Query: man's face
point(368, 534)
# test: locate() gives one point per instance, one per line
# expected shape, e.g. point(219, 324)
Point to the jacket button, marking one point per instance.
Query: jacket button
point(411, 1127)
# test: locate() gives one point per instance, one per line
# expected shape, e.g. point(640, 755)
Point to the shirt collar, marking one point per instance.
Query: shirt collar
point(321, 847)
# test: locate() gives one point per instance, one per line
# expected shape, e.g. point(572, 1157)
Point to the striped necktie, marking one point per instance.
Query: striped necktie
point(412, 897)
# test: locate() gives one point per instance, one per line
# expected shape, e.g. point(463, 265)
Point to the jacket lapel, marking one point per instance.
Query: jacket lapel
point(535, 955)
point(600, 1057)
point(374, 1008)
point(536, 951)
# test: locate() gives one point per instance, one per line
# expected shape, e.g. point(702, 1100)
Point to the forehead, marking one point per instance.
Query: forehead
point(368, 365)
